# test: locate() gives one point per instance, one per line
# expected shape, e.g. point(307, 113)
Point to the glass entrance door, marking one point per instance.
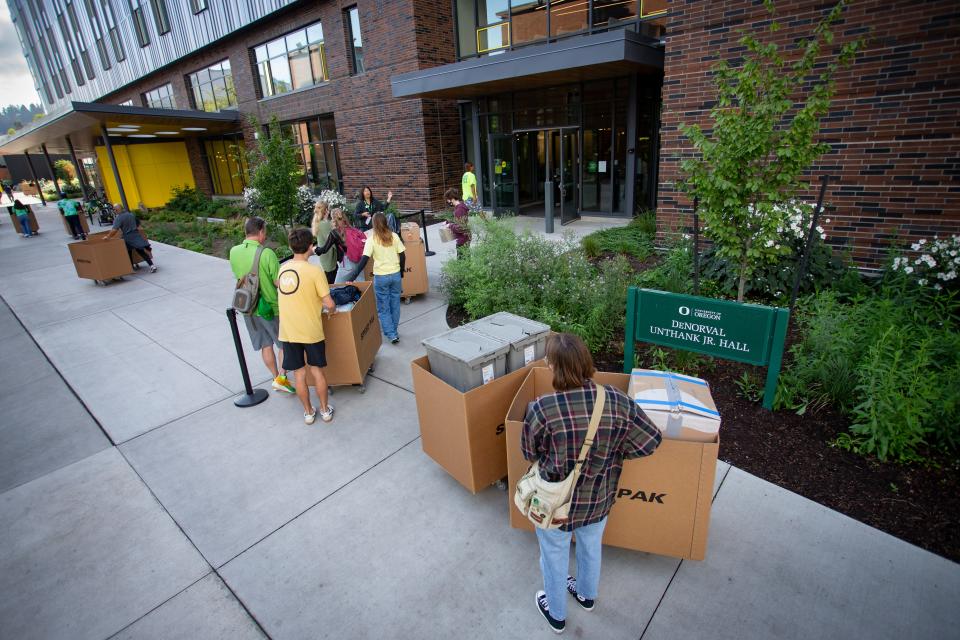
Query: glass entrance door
point(503, 171)
point(565, 172)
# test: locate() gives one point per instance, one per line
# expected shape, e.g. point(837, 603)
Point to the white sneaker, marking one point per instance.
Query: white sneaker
point(309, 418)
point(153, 268)
point(327, 415)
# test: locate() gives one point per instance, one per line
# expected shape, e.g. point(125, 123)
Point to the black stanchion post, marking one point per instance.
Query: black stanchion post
point(696, 247)
point(426, 242)
point(824, 179)
point(252, 397)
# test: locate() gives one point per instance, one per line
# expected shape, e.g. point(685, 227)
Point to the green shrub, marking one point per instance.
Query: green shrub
point(631, 240)
point(646, 222)
point(189, 200)
point(889, 360)
point(541, 279)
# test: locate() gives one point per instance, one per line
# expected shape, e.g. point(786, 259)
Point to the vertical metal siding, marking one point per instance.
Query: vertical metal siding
point(188, 33)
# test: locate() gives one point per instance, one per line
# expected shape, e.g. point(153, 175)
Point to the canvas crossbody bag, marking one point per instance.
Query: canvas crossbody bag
point(247, 293)
point(547, 504)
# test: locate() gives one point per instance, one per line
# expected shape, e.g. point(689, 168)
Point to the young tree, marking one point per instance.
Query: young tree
point(749, 164)
point(275, 174)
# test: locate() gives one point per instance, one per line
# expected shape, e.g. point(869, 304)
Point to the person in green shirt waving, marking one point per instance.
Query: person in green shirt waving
point(263, 324)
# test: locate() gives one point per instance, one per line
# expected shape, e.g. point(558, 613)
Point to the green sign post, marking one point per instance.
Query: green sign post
point(748, 333)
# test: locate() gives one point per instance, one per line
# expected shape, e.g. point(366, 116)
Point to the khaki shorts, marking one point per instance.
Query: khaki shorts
point(263, 333)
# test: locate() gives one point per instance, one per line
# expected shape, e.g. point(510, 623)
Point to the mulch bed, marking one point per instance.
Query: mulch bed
point(919, 504)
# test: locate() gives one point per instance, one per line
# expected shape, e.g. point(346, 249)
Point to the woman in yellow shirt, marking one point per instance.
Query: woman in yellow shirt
point(386, 249)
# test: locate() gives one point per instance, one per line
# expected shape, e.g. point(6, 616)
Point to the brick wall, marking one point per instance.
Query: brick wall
point(410, 146)
point(894, 128)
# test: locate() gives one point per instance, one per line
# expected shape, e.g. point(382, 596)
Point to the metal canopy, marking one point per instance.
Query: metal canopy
point(83, 122)
point(602, 55)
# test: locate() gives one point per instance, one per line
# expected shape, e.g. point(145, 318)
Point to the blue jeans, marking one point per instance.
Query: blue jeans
point(555, 564)
point(25, 225)
point(387, 290)
point(344, 270)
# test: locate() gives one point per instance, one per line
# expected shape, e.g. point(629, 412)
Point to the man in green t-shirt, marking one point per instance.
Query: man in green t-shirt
point(468, 185)
point(70, 210)
point(263, 324)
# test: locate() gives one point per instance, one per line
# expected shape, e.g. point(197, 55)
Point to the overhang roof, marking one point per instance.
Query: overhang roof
point(592, 57)
point(82, 121)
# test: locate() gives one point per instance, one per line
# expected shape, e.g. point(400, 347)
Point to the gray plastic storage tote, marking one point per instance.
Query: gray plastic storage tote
point(527, 338)
point(465, 359)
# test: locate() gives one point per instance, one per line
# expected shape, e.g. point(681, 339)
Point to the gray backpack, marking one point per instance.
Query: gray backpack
point(247, 293)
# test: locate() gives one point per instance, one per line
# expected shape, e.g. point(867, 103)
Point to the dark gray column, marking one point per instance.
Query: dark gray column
point(477, 149)
point(81, 174)
point(36, 180)
point(631, 171)
point(113, 165)
point(53, 172)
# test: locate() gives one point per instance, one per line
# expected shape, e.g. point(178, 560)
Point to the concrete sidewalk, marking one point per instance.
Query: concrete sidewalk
point(137, 502)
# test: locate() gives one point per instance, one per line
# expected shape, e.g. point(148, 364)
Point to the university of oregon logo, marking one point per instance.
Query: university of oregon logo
point(288, 282)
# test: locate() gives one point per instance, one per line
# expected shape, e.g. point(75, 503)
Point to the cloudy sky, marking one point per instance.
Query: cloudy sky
point(16, 84)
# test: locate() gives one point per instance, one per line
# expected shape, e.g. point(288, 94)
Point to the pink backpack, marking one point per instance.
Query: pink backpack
point(355, 240)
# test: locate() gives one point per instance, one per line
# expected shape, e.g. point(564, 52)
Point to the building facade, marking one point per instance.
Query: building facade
point(321, 68)
point(565, 107)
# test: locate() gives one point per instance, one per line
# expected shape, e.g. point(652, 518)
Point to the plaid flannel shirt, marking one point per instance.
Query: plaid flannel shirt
point(554, 430)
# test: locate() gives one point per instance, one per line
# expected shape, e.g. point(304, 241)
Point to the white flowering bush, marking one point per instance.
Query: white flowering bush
point(305, 203)
point(931, 263)
point(773, 277)
point(251, 200)
point(333, 198)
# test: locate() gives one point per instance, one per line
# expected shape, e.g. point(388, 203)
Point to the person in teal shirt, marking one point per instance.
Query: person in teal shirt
point(263, 324)
point(70, 209)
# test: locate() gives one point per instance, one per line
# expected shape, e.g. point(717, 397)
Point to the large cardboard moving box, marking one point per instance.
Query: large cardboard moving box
point(34, 227)
point(415, 280)
point(83, 224)
point(352, 340)
point(663, 503)
point(99, 259)
point(464, 432)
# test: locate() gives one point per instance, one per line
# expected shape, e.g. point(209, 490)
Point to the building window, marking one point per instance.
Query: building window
point(160, 16)
point(160, 98)
point(97, 30)
point(68, 42)
point(227, 164)
point(115, 40)
point(212, 87)
point(356, 40)
point(316, 140)
point(81, 42)
point(127, 103)
point(197, 6)
point(139, 22)
point(292, 62)
point(488, 27)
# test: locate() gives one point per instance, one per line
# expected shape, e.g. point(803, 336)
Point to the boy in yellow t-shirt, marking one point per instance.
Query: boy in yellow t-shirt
point(303, 293)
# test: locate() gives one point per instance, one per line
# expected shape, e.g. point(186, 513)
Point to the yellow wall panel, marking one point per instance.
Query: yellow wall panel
point(149, 172)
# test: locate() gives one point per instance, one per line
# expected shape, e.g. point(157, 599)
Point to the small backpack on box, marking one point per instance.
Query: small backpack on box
point(247, 293)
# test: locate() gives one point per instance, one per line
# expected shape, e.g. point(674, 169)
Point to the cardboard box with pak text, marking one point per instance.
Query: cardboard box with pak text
point(464, 432)
point(352, 340)
point(664, 499)
point(99, 259)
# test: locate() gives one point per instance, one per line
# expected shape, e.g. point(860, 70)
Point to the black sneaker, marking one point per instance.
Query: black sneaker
point(557, 625)
point(395, 340)
point(586, 605)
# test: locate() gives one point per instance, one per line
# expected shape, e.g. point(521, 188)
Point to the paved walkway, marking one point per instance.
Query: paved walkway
point(137, 502)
